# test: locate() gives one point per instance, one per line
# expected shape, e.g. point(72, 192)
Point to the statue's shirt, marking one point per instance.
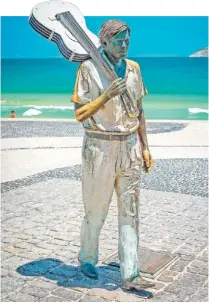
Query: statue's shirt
point(112, 118)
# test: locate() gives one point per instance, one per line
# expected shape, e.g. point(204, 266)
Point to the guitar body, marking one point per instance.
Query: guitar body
point(44, 20)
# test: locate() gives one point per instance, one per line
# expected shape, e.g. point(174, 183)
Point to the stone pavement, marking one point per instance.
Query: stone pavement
point(42, 212)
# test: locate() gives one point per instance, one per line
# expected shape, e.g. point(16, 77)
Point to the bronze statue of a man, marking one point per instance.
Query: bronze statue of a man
point(115, 149)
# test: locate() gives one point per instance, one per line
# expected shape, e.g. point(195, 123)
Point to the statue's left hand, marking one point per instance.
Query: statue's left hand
point(148, 161)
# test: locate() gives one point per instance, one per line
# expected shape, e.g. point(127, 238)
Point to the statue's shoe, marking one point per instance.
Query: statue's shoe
point(137, 283)
point(89, 270)
point(138, 286)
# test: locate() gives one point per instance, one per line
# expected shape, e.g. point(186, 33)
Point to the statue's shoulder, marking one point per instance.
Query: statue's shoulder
point(88, 65)
point(133, 64)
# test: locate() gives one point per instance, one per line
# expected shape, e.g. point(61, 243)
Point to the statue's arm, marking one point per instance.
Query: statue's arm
point(84, 111)
point(142, 131)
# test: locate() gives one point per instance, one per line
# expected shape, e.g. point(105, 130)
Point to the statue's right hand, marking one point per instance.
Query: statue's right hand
point(117, 87)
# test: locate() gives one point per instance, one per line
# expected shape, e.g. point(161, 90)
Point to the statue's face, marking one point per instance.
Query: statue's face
point(117, 46)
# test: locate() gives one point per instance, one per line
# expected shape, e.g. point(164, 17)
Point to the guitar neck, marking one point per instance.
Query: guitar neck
point(77, 31)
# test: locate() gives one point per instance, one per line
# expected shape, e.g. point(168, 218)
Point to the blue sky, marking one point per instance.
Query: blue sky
point(150, 36)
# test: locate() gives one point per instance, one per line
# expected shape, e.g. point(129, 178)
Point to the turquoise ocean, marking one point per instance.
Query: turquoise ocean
point(42, 88)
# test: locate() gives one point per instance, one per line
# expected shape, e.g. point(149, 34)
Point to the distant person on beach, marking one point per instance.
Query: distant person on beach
point(12, 114)
point(115, 149)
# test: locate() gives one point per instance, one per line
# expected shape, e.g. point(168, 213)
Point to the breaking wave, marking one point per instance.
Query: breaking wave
point(32, 112)
point(194, 110)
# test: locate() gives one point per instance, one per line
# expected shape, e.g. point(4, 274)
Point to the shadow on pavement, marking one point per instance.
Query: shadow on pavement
point(71, 275)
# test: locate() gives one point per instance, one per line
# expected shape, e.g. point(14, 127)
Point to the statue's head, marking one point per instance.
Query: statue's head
point(114, 37)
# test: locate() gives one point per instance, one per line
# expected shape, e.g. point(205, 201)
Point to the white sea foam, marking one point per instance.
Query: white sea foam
point(2, 101)
point(62, 107)
point(194, 110)
point(32, 112)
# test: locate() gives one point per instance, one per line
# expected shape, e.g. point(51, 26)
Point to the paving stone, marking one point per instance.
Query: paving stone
point(187, 257)
point(73, 249)
point(22, 236)
point(42, 251)
point(3, 296)
point(15, 262)
point(33, 241)
point(165, 278)
point(15, 250)
point(59, 242)
point(188, 250)
point(171, 273)
point(204, 292)
point(179, 265)
point(192, 280)
point(34, 291)
point(68, 294)
point(5, 255)
point(42, 284)
point(203, 258)
point(199, 264)
point(4, 272)
point(88, 298)
point(30, 255)
point(198, 270)
point(49, 246)
point(20, 297)
point(177, 288)
point(159, 285)
point(200, 296)
point(10, 240)
point(205, 253)
point(9, 284)
point(52, 299)
point(8, 272)
point(168, 297)
point(105, 294)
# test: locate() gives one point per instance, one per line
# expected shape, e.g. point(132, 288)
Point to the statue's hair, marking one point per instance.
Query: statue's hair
point(110, 28)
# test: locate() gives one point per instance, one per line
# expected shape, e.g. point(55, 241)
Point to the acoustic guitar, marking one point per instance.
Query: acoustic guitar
point(63, 23)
